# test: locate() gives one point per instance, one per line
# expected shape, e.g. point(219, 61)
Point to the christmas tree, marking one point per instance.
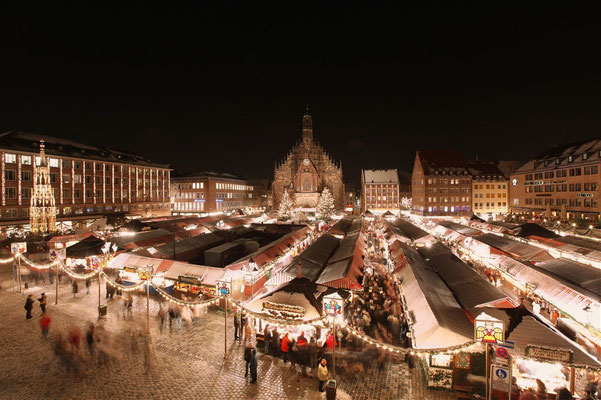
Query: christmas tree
point(286, 206)
point(325, 205)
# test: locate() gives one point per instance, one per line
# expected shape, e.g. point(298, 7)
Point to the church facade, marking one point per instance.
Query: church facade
point(306, 171)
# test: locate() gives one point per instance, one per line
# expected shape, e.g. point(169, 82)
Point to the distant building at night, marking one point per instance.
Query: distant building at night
point(490, 188)
point(565, 175)
point(87, 181)
point(207, 192)
point(380, 191)
point(306, 171)
point(350, 197)
point(404, 184)
point(441, 183)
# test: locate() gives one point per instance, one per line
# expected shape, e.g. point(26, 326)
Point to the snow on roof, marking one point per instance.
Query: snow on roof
point(380, 176)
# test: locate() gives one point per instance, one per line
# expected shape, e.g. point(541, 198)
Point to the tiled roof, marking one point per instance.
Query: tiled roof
point(29, 142)
point(380, 176)
point(449, 162)
point(559, 156)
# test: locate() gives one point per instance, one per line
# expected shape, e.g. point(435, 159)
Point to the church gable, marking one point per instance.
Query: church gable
point(307, 178)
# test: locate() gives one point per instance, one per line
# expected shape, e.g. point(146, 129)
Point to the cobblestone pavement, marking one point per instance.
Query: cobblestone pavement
point(189, 363)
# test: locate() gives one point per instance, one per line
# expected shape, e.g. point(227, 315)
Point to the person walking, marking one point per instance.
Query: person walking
point(29, 306)
point(247, 356)
point(161, 315)
point(267, 338)
point(248, 330)
point(74, 288)
point(302, 352)
point(171, 313)
point(253, 365)
point(285, 347)
point(45, 324)
point(42, 301)
point(237, 316)
point(90, 339)
point(88, 284)
point(242, 325)
point(312, 350)
point(322, 374)
point(275, 342)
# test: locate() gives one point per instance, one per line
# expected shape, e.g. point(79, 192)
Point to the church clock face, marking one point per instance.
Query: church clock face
point(306, 161)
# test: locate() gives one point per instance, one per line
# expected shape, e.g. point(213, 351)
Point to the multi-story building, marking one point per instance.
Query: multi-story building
point(380, 191)
point(262, 194)
point(566, 175)
point(490, 189)
point(350, 197)
point(87, 181)
point(441, 183)
point(404, 184)
point(207, 192)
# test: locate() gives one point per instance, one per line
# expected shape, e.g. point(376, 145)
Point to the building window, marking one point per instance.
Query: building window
point(26, 193)
point(77, 178)
point(88, 166)
point(77, 193)
point(10, 158)
point(79, 210)
point(67, 193)
point(67, 164)
point(570, 159)
point(26, 176)
point(10, 175)
point(88, 179)
point(11, 213)
point(66, 178)
point(26, 160)
point(53, 162)
point(25, 213)
point(77, 165)
point(10, 193)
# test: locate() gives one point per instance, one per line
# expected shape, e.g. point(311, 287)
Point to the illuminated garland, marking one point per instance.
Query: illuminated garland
point(39, 266)
point(273, 320)
point(77, 276)
point(124, 288)
point(7, 260)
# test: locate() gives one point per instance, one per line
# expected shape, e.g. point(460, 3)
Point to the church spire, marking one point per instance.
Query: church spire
point(307, 127)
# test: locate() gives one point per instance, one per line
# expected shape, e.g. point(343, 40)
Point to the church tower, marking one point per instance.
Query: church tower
point(307, 128)
point(42, 214)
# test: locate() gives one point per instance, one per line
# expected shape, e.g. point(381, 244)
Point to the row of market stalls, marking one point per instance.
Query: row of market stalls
point(346, 226)
point(443, 295)
point(405, 232)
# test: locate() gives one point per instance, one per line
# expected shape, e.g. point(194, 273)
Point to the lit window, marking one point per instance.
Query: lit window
point(10, 158)
point(26, 160)
point(53, 162)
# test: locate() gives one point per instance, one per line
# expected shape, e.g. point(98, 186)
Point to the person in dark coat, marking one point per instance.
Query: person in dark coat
point(88, 284)
point(253, 366)
point(236, 325)
point(248, 356)
point(275, 342)
point(29, 306)
point(74, 288)
point(42, 301)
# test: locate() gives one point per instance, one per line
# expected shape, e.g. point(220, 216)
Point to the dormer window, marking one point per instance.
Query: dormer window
point(584, 156)
point(557, 161)
point(570, 159)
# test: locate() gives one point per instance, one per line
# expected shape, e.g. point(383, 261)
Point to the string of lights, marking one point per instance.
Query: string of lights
point(37, 265)
point(7, 260)
point(122, 287)
point(273, 320)
point(77, 276)
point(179, 302)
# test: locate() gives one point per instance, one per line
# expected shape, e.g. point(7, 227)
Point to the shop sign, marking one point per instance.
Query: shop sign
point(18, 247)
point(223, 288)
point(285, 308)
point(57, 254)
point(584, 195)
point(533, 183)
point(548, 354)
point(500, 378)
point(190, 280)
point(488, 329)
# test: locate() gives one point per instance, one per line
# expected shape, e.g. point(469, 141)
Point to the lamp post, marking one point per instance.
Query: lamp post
point(333, 306)
point(223, 288)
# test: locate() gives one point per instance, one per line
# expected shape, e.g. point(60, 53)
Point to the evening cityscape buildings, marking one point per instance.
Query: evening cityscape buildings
point(427, 227)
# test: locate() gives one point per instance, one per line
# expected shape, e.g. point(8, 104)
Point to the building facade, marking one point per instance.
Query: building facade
point(306, 171)
point(208, 192)
point(564, 176)
point(441, 184)
point(380, 191)
point(87, 181)
point(490, 189)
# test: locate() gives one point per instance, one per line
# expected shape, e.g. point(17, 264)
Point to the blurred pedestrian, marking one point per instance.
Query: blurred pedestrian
point(564, 394)
point(237, 316)
point(171, 313)
point(42, 301)
point(275, 342)
point(267, 338)
point(242, 326)
point(312, 350)
point(161, 315)
point(88, 284)
point(253, 365)
point(45, 324)
point(74, 288)
point(285, 347)
point(247, 357)
point(75, 338)
point(90, 339)
point(29, 306)
point(248, 330)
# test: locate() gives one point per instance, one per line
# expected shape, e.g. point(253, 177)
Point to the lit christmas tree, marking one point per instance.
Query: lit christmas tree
point(325, 205)
point(286, 206)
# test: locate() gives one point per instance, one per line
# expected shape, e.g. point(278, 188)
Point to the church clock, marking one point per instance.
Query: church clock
point(306, 161)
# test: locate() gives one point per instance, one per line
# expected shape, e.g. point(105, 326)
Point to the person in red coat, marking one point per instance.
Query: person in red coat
point(45, 324)
point(330, 340)
point(285, 347)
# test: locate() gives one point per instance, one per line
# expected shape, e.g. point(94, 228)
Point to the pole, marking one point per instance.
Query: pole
point(488, 392)
point(99, 287)
point(334, 349)
point(173, 246)
point(56, 279)
point(19, 269)
point(225, 331)
point(148, 302)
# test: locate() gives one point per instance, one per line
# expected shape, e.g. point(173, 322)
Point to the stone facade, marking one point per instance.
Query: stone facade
point(306, 170)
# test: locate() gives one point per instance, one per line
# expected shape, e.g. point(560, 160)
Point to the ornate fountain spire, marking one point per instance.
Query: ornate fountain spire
point(42, 213)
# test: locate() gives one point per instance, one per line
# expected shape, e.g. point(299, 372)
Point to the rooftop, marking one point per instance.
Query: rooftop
point(564, 155)
point(379, 176)
point(29, 142)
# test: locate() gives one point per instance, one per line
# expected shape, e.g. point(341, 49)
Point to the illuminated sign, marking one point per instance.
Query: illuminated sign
point(18, 247)
point(488, 329)
point(223, 288)
point(297, 310)
point(547, 354)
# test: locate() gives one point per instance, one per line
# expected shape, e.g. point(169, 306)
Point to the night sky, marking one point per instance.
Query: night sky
point(223, 86)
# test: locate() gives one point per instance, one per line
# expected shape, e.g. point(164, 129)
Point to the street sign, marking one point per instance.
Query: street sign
point(488, 329)
point(333, 305)
point(501, 352)
point(501, 378)
point(57, 254)
point(18, 247)
point(507, 344)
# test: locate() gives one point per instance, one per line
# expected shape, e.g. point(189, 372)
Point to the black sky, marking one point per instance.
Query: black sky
point(223, 86)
